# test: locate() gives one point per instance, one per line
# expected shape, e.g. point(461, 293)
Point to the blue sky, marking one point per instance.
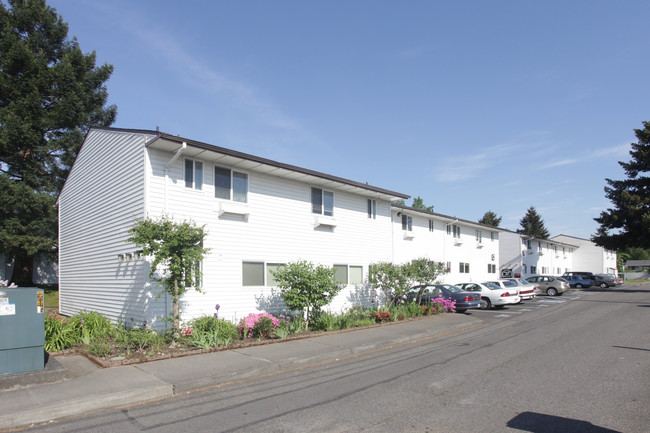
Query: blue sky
point(472, 105)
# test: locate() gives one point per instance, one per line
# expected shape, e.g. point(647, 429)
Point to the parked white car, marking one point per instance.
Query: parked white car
point(527, 290)
point(492, 294)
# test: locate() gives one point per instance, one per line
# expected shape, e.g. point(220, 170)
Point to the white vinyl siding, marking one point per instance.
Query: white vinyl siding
point(101, 199)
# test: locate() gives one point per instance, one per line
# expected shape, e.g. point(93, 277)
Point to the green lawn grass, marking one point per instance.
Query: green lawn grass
point(51, 298)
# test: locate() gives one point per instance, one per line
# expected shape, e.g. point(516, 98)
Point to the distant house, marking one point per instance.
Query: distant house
point(637, 265)
point(259, 214)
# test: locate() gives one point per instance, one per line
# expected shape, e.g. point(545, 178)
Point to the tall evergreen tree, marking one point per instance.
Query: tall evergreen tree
point(532, 224)
point(491, 219)
point(627, 224)
point(418, 203)
point(51, 93)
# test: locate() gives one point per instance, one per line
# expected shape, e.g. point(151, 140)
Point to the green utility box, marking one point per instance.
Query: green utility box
point(22, 330)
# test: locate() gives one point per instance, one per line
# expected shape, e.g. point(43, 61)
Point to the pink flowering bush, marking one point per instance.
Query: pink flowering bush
point(443, 305)
point(260, 325)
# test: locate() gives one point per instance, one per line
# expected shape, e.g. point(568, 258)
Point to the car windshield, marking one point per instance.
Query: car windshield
point(562, 279)
point(508, 283)
point(523, 282)
point(453, 288)
point(492, 286)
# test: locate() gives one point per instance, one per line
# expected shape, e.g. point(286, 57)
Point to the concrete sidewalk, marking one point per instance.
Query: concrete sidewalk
point(86, 387)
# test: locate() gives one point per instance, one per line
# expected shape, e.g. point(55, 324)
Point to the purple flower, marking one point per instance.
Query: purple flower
point(216, 307)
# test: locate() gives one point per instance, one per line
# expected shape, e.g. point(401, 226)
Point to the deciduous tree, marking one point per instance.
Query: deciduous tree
point(177, 251)
point(51, 93)
point(306, 287)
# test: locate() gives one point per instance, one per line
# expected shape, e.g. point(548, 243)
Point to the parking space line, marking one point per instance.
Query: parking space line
point(503, 315)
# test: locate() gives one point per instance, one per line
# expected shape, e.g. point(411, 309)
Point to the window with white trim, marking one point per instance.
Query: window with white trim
point(356, 274)
point(492, 268)
point(230, 185)
point(463, 268)
point(252, 273)
point(479, 236)
point(341, 274)
point(456, 231)
point(372, 209)
point(407, 223)
point(431, 225)
point(270, 269)
point(493, 236)
point(322, 202)
point(533, 269)
point(193, 174)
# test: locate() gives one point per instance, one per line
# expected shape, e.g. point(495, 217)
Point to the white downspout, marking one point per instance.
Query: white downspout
point(178, 153)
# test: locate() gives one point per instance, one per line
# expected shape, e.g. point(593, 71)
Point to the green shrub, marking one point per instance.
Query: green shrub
point(323, 322)
point(60, 334)
point(91, 326)
point(140, 340)
point(264, 328)
point(343, 322)
point(208, 332)
point(367, 321)
point(210, 324)
point(100, 349)
point(289, 325)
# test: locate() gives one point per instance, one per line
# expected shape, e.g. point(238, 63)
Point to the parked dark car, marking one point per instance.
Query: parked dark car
point(464, 300)
point(578, 282)
point(605, 280)
point(585, 275)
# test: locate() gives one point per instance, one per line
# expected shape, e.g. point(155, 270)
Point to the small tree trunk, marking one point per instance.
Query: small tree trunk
point(175, 310)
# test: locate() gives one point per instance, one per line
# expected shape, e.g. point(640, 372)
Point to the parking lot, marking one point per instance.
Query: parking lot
point(529, 306)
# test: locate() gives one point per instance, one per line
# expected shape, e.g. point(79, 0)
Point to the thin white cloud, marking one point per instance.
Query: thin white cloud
point(163, 43)
point(464, 167)
point(620, 150)
point(562, 162)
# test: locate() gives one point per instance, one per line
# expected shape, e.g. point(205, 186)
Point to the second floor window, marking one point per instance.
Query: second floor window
point(372, 209)
point(230, 185)
point(322, 202)
point(193, 174)
point(479, 236)
point(407, 223)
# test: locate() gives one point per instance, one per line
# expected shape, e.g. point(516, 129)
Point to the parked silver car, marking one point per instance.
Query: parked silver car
point(550, 285)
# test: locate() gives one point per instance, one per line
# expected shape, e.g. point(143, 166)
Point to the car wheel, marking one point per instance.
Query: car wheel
point(551, 291)
point(578, 286)
point(488, 304)
point(604, 285)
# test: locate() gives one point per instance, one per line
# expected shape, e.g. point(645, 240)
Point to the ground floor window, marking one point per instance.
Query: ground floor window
point(463, 268)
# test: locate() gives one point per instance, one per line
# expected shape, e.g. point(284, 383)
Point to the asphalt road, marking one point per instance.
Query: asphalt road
point(576, 363)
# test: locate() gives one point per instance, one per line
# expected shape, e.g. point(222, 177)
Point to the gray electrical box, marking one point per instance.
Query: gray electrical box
point(22, 330)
